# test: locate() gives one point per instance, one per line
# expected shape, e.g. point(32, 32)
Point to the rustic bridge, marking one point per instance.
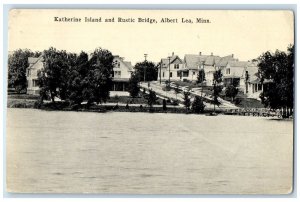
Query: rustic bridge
point(260, 112)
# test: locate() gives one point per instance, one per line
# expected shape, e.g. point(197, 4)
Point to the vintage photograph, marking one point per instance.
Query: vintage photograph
point(150, 101)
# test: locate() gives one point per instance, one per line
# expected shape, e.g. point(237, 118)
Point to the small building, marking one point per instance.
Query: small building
point(35, 64)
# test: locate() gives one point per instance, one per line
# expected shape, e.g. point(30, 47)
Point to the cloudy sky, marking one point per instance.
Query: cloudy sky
point(246, 34)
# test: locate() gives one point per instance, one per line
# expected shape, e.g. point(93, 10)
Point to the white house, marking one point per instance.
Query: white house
point(171, 66)
point(121, 73)
point(35, 64)
point(189, 67)
point(234, 72)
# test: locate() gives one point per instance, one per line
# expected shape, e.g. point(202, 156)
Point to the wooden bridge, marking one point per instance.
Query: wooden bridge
point(260, 112)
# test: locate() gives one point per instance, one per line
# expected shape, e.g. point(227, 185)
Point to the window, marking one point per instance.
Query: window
point(228, 71)
point(163, 74)
point(117, 73)
point(176, 66)
point(170, 74)
point(185, 74)
point(193, 73)
point(34, 83)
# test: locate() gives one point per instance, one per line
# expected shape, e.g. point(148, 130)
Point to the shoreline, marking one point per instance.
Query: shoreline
point(32, 103)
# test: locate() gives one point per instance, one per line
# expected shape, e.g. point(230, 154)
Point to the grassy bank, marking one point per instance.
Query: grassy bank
point(24, 102)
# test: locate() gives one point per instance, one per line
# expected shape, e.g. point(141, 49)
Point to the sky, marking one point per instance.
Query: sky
point(246, 34)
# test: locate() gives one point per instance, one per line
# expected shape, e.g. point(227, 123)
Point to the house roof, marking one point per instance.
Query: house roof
point(237, 63)
point(193, 61)
point(224, 60)
point(129, 65)
point(165, 61)
point(126, 63)
point(237, 68)
point(33, 60)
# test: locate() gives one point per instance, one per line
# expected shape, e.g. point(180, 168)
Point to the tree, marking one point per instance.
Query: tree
point(76, 80)
point(151, 98)
point(186, 100)
point(98, 81)
point(134, 85)
point(164, 105)
point(231, 91)
point(147, 69)
point(217, 89)
point(17, 66)
point(278, 69)
point(201, 76)
point(198, 105)
point(247, 77)
point(53, 78)
point(176, 90)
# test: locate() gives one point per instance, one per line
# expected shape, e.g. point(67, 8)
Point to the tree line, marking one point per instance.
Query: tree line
point(78, 77)
point(73, 77)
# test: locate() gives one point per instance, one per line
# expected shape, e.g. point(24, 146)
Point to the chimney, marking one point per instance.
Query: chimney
point(212, 54)
point(200, 53)
point(172, 53)
point(232, 55)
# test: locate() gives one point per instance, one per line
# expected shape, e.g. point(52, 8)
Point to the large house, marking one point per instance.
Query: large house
point(121, 73)
point(189, 67)
point(171, 66)
point(241, 73)
point(209, 63)
point(234, 72)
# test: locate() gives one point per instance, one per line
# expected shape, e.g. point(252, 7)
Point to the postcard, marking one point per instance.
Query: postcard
point(150, 101)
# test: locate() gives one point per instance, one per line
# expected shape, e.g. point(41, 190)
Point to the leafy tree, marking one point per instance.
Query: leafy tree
point(217, 89)
point(231, 91)
point(52, 79)
point(198, 105)
point(17, 66)
point(164, 105)
point(186, 100)
point(247, 77)
point(98, 80)
point(168, 87)
point(278, 69)
point(76, 79)
point(134, 85)
point(176, 90)
point(201, 76)
point(151, 98)
point(146, 69)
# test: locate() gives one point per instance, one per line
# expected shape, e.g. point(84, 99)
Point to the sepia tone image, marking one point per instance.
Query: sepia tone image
point(150, 101)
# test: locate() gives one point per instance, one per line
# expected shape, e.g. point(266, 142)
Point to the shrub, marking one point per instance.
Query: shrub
point(198, 105)
point(164, 105)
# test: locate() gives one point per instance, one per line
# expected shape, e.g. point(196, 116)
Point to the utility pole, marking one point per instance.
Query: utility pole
point(160, 72)
point(169, 68)
point(202, 78)
point(145, 55)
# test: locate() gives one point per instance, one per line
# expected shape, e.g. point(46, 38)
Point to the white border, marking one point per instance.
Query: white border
point(114, 3)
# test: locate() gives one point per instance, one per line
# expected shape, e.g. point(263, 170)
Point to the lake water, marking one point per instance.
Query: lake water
point(141, 153)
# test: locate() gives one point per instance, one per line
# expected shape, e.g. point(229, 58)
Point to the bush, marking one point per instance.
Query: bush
point(164, 105)
point(198, 105)
point(175, 102)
